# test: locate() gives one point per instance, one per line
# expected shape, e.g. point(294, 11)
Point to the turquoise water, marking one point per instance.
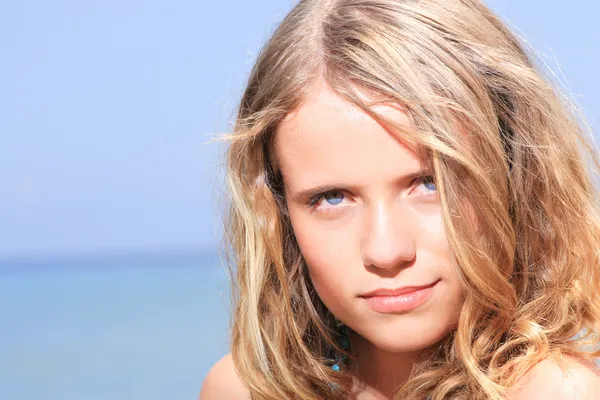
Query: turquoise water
point(111, 329)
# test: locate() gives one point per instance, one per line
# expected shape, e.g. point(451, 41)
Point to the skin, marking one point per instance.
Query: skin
point(380, 226)
point(566, 379)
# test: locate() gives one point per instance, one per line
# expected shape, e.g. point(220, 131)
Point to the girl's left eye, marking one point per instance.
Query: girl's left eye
point(426, 185)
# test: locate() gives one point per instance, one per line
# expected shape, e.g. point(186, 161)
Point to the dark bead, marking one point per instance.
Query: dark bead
point(344, 342)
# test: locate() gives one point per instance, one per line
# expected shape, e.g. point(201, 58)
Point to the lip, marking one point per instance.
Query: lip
point(400, 299)
point(398, 291)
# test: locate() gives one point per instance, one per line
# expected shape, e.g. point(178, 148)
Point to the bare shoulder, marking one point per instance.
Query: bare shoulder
point(223, 382)
point(561, 379)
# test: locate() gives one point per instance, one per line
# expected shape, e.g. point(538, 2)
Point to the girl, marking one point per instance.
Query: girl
point(411, 214)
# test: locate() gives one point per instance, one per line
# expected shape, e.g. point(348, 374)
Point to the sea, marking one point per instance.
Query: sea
point(118, 327)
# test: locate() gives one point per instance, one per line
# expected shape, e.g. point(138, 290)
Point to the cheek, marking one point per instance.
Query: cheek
point(431, 240)
point(330, 259)
point(438, 257)
point(320, 247)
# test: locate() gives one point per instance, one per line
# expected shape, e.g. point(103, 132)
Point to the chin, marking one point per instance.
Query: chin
point(408, 338)
point(405, 344)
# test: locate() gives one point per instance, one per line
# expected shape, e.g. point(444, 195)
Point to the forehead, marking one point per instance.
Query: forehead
point(329, 139)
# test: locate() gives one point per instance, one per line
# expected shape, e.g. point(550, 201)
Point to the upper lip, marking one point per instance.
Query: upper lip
point(398, 291)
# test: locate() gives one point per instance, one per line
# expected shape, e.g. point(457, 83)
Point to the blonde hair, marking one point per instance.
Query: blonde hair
point(506, 148)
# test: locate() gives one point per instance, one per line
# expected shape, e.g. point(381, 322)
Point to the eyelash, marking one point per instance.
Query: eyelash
point(315, 199)
point(416, 181)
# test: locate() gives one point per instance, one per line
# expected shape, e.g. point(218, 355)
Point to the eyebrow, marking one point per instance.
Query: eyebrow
point(303, 195)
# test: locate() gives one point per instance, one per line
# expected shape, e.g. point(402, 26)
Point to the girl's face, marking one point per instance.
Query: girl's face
point(367, 217)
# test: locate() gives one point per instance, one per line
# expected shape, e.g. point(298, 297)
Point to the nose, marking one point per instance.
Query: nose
point(388, 243)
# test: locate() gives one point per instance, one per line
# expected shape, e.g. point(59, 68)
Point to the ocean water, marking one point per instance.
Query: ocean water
point(111, 328)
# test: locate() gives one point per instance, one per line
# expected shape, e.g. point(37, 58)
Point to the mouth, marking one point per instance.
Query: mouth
point(401, 299)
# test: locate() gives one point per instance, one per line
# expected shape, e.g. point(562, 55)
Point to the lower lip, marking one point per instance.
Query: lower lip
point(400, 303)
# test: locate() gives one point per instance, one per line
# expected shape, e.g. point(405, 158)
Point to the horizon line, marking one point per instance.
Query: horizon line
point(191, 252)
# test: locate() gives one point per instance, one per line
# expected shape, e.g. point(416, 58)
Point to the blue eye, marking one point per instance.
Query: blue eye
point(333, 198)
point(429, 184)
point(425, 185)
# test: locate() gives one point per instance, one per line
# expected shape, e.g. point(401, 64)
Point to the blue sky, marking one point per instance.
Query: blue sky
point(107, 108)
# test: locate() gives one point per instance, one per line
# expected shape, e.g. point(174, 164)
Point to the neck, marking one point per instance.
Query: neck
point(381, 372)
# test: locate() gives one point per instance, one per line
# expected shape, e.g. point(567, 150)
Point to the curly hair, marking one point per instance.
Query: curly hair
point(507, 148)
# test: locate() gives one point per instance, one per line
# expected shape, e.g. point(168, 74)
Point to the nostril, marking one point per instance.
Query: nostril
point(392, 257)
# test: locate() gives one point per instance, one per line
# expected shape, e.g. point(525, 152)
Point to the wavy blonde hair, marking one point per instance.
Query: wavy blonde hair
point(506, 147)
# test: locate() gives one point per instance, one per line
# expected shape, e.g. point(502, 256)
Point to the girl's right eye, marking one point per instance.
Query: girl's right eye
point(328, 199)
